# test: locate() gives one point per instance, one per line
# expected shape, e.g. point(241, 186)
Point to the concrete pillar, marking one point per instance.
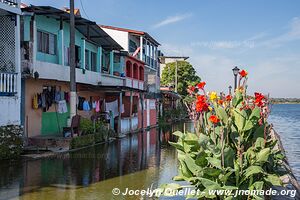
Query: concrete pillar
point(61, 48)
point(141, 48)
point(130, 110)
point(111, 58)
point(34, 53)
point(18, 66)
point(99, 59)
point(82, 47)
point(120, 113)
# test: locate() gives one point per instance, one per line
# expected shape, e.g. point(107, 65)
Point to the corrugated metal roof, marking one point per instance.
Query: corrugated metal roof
point(88, 28)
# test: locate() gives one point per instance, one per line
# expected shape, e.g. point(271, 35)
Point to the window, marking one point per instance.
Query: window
point(94, 61)
point(87, 59)
point(46, 42)
point(132, 46)
point(105, 61)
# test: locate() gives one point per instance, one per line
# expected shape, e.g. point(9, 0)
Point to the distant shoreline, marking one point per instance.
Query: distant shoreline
point(285, 102)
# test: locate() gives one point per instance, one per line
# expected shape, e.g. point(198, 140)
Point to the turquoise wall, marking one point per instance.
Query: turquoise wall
point(47, 25)
point(53, 26)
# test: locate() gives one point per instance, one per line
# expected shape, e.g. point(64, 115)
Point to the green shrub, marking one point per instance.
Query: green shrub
point(11, 141)
point(82, 141)
point(86, 126)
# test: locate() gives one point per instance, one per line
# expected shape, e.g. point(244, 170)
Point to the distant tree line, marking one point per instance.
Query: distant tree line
point(285, 100)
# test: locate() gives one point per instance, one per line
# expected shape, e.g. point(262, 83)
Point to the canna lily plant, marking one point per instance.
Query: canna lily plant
point(232, 147)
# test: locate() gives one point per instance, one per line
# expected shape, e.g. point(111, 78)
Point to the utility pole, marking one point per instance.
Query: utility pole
point(176, 76)
point(72, 62)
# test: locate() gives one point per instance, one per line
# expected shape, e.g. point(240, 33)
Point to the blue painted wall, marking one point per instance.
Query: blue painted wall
point(53, 26)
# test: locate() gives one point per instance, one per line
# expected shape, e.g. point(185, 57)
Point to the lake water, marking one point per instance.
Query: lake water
point(136, 162)
point(286, 121)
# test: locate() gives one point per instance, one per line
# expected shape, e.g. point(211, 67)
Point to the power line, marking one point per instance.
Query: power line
point(83, 9)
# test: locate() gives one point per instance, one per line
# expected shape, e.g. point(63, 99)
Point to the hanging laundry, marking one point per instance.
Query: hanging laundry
point(86, 106)
point(94, 104)
point(62, 107)
point(35, 102)
point(97, 106)
point(113, 107)
point(39, 96)
point(80, 103)
point(57, 96)
point(43, 99)
point(62, 95)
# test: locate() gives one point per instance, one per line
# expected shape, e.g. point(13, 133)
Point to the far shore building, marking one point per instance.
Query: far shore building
point(170, 98)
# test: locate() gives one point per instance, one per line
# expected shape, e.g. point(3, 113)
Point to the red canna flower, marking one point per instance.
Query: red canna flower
point(259, 99)
point(201, 104)
point(201, 85)
point(214, 119)
point(192, 88)
point(220, 101)
point(228, 97)
point(243, 73)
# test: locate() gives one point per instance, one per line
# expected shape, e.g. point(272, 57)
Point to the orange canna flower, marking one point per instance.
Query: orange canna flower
point(201, 85)
point(243, 73)
point(220, 101)
point(214, 119)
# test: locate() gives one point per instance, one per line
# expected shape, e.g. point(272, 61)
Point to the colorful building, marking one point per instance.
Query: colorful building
point(143, 47)
point(108, 79)
point(10, 76)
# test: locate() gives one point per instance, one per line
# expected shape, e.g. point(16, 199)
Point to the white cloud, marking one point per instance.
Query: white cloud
point(172, 20)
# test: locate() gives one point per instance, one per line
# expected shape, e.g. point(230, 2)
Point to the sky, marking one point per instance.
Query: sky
point(262, 37)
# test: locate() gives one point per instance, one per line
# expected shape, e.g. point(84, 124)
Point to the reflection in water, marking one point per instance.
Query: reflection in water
point(135, 162)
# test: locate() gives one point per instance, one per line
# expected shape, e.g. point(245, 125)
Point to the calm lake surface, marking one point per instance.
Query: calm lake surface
point(135, 162)
point(286, 121)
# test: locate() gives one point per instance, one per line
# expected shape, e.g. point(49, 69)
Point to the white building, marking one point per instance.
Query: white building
point(164, 60)
point(10, 76)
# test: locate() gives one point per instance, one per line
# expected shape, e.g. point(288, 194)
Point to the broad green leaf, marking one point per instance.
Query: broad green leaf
point(178, 133)
point(212, 172)
point(253, 170)
point(273, 180)
point(237, 99)
point(222, 114)
point(214, 162)
point(176, 145)
point(226, 176)
point(229, 156)
point(191, 165)
point(259, 143)
point(209, 184)
point(239, 118)
point(201, 159)
point(255, 114)
point(263, 156)
point(185, 170)
point(258, 185)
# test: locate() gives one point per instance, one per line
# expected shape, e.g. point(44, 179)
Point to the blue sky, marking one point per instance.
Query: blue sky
point(262, 37)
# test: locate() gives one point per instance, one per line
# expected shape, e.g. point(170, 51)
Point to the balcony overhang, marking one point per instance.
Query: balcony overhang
point(88, 28)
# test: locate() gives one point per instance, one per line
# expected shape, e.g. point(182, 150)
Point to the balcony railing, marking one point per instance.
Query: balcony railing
point(13, 3)
point(8, 84)
point(134, 83)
